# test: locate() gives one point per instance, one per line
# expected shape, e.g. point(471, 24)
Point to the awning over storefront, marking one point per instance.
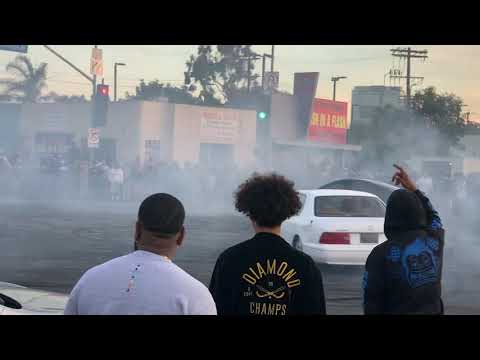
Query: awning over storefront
point(309, 144)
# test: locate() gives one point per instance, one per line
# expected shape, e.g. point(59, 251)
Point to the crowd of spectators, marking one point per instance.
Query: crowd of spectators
point(203, 188)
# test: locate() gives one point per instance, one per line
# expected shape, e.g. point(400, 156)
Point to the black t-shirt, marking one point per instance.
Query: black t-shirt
point(266, 276)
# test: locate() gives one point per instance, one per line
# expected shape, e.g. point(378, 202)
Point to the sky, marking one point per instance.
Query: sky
point(451, 69)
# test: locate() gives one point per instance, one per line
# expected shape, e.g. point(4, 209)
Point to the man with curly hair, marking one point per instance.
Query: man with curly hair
point(265, 275)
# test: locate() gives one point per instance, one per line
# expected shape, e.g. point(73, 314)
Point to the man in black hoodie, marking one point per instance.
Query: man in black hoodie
point(403, 275)
point(265, 275)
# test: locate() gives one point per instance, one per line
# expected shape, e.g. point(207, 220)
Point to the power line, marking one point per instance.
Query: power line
point(408, 54)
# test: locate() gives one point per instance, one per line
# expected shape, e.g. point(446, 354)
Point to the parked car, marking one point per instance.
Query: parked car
point(381, 189)
point(19, 300)
point(338, 227)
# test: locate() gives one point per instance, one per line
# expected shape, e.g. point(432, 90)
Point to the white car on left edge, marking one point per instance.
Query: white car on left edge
point(19, 300)
point(337, 227)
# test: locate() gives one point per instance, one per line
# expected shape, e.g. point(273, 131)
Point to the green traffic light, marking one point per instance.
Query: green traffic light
point(262, 115)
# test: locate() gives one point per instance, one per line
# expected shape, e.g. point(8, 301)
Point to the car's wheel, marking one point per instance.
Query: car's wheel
point(297, 243)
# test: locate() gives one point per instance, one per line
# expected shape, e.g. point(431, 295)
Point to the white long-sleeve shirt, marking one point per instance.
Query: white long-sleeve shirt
point(140, 283)
point(115, 175)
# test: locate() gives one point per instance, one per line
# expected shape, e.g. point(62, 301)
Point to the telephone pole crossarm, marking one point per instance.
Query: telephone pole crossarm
point(409, 54)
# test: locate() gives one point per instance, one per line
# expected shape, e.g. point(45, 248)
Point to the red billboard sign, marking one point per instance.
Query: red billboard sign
point(328, 122)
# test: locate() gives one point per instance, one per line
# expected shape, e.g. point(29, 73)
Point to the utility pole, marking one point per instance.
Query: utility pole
point(409, 56)
point(272, 58)
point(408, 53)
point(249, 75)
point(115, 80)
point(264, 59)
point(95, 80)
point(254, 56)
point(263, 71)
point(335, 79)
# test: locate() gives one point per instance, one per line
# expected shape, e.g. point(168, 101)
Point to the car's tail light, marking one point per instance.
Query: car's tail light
point(335, 238)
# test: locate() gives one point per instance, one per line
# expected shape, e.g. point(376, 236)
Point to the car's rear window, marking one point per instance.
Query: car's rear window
point(348, 206)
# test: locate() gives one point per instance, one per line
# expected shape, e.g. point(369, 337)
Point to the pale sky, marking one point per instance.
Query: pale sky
point(448, 68)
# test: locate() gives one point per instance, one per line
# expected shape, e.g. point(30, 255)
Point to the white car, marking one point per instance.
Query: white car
point(19, 300)
point(338, 227)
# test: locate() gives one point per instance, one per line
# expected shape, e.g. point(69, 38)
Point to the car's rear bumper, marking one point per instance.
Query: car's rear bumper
point(338, 254)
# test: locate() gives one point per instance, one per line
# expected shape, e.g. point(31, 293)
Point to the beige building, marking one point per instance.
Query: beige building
point(147, 131)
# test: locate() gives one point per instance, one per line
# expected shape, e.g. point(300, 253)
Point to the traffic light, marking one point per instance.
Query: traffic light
point(263, 107)
point(100, 106)
point(263, 117)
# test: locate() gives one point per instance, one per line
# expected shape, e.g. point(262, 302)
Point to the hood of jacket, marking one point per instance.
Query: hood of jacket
point(405, 213)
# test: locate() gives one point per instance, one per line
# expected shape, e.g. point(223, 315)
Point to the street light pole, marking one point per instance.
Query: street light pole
point(263, 72)
point(335, 79)
point(91, 80)
point(94, 82)
point(115, 80)
point(272, 58)
point(248, 73)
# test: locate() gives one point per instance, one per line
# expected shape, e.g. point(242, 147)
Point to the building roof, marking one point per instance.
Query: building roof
point(376, 88)
point(309, 144)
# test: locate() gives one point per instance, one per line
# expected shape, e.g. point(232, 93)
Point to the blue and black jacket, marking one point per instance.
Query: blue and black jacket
point(403, 275)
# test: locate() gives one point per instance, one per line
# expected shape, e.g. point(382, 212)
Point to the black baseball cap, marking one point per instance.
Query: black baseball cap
point(162, 214)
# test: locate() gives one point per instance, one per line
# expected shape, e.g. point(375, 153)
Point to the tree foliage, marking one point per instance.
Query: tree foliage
point(432, 127)
point(29, 81)
point(442, 112)
point(222, 73)
point(54, 97)
point(154, 90)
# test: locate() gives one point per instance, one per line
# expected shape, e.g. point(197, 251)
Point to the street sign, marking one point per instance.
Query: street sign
point(15, 48)
point(271, 81)
point(96, 62)
point(93, 137)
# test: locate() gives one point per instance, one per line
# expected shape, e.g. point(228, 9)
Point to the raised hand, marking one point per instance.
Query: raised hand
point(401, 178)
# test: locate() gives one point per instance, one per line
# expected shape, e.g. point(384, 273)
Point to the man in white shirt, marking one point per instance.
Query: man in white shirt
point(145, 282)
point(116, 178)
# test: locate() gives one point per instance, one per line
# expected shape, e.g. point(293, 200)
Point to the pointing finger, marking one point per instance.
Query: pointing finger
point(399, 168)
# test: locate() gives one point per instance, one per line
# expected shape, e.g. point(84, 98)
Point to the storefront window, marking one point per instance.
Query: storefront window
point(52, 142)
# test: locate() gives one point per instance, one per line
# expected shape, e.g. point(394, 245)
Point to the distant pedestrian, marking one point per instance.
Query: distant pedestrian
point(146, 281)
point(116, 178)
point(460, 194)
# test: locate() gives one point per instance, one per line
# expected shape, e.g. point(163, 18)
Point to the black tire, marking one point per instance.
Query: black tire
point(297, 243)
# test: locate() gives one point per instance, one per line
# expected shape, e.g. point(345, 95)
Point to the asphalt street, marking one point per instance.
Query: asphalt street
point(49, 246)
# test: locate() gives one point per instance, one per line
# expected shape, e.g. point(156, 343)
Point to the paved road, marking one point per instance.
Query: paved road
point(49, 246)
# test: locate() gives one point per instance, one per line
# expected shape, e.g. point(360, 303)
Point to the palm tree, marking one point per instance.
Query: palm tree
point(29, 81)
